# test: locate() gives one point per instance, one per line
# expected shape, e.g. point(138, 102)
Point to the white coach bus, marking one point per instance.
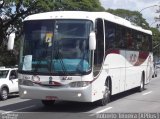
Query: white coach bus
point(82, 56)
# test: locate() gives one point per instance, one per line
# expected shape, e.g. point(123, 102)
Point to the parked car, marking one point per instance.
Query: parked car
point(8, 82)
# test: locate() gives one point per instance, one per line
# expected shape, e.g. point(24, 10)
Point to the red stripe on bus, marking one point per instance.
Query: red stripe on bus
point(143, 55)
point(112, 51)
point(141, 58)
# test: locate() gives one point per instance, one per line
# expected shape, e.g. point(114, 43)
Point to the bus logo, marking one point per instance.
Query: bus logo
point(66, 78)
point(133, 57)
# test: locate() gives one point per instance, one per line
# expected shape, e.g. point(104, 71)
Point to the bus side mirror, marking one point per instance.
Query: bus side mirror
point(92, 41)
point(11, 41)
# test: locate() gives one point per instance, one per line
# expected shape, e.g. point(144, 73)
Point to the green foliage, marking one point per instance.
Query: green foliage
point(156, 41)
point(133, 16)
point(7, 57)
point(84, 5)
point(156, 36)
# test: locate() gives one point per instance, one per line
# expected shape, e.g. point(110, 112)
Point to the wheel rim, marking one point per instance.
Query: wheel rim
point(4, 94)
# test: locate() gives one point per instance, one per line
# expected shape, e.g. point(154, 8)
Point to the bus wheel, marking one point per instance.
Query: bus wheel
point(4, 94)
point(106, 98)
point(141, 87)
point(48, 103)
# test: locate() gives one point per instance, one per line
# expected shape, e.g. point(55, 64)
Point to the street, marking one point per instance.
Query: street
point(131, 101)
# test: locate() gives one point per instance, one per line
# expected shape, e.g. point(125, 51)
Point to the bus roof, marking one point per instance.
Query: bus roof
point(86, 15)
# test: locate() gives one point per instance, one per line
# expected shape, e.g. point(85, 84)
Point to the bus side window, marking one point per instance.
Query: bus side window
point(110, 35)
point(145, 43)
point(139, 41)
point(129, 39)
point(120, 40)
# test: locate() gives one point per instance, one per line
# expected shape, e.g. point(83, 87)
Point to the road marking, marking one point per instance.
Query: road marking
point(106, 109)
point(19, 109)
point(147, 93)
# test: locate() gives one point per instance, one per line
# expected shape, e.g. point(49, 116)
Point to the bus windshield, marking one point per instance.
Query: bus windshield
point(56, 46)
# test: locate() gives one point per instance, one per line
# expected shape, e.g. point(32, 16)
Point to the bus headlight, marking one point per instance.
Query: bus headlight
point(79, 84)
point(25, 82)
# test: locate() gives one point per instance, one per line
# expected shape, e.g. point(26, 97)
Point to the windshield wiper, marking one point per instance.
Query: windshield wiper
point(59, 56)
point(41, 58)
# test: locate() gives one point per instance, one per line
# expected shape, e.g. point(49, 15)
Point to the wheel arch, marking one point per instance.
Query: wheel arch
point(5, 86)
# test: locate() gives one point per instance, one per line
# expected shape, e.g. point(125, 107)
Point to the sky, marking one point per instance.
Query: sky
point(136, 5)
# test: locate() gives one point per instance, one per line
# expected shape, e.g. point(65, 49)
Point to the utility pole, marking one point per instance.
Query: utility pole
point(157, 19)
point(158, 27)
point(140, 22)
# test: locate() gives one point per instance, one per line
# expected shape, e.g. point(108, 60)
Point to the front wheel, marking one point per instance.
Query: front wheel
point(48, 103)
point(4, 94)
point(106, 98)
point(141, 87)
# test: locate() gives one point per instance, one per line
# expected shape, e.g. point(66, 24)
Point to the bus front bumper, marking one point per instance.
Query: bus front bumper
point(64, 93)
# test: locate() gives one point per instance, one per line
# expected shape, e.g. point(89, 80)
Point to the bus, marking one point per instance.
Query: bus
point(82, 56)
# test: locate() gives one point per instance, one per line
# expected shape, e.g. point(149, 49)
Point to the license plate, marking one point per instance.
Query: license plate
point(51, 98)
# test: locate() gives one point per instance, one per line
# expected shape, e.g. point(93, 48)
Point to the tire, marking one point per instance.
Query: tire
point(106, 96)
point(141, 87)
point(155, 75)
point(4, 94)
point(48, 103)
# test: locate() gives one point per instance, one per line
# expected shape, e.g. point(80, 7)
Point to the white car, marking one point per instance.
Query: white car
point(8, 82)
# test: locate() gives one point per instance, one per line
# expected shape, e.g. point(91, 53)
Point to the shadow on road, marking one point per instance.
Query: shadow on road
point(60, 106)
point(11, 96)
point(124, 94)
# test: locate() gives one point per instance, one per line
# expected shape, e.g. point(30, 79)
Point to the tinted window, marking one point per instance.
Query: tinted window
point(110, 31)
point(99, 52)
point(121, 37)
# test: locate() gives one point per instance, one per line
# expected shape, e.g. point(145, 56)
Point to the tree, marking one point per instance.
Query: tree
point(12, 13)
point(84, 5)
point(156, 41)
point(133, 16)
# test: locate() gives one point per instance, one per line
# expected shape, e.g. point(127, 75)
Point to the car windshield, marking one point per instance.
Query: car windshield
point(54, 46)
point(3, 73)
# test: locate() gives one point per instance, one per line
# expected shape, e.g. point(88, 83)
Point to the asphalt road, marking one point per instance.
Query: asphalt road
point(129, 104)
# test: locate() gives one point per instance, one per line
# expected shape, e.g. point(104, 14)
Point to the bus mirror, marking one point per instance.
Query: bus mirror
point(11, 41)
point(92, 41)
